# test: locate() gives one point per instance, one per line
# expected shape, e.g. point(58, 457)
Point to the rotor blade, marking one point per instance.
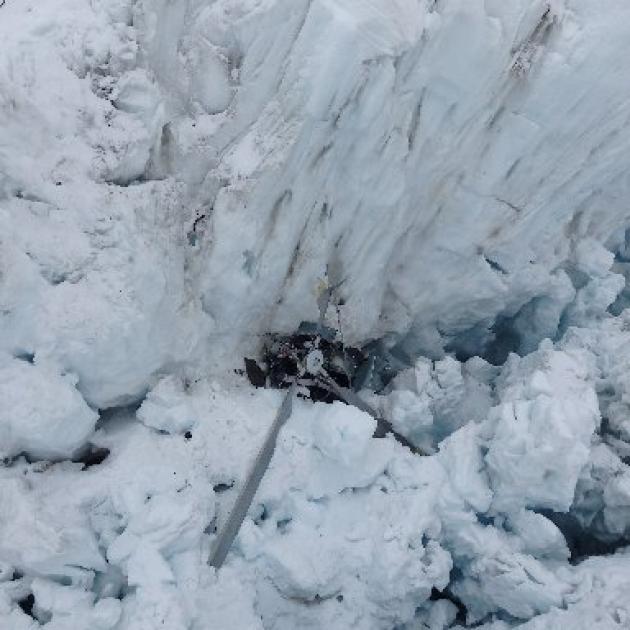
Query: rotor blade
point(246, 496)
point(349, 396)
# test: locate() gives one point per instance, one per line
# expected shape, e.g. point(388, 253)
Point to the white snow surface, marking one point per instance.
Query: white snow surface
point(42, 413)
point(179, 178)
point(345, 530)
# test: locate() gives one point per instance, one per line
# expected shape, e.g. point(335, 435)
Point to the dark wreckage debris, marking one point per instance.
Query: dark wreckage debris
point(317, 364)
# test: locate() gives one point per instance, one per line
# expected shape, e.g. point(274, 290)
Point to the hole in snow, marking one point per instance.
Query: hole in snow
point(211, 528)
point(446, 594)
point(29, 357)
point(283, 524)
point(262, 516)
point(581, 542)
point(26, 604)
point(93, 456)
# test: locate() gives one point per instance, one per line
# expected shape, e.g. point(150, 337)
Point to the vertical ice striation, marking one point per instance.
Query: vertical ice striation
point(214, 166)
point(437, 160)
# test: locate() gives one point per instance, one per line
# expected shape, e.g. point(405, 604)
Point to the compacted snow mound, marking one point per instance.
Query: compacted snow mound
point(167, 407)
point(42, 414)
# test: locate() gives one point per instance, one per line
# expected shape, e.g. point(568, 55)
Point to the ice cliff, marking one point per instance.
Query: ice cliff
point(207, 168)
point(178, 178)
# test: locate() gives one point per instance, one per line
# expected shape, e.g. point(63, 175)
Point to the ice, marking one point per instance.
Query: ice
point(66, 608)
point(412, 99)
point(256, 123)
point(92, 270)
point(504, 564)
point(167, 407)
point(441, 615)
point(538, 536)
point(346, 529)
point(38, 540)
point(351, 542)
point(146, 507)
point(343, 433)
point(197, 188)
point(41, 414)
point(543, 425)
point(178, 179)
point(431, 400)
point(602, 605)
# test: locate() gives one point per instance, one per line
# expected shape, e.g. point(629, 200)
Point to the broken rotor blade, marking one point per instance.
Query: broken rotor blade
point(349, 396)
point(246, 496)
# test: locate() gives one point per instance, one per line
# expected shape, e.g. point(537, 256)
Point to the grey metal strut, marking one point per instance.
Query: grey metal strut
point(349, 396)
point(246, 496)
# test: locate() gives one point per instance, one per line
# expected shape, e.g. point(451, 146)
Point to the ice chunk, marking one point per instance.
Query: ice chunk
point(512, 582)
point(342, 432)
point(538, 536)
point(542, 430)
point(440, 615)
point(325, 449)
point(167, 407)
point(68, 607)
point(362, 527)
point(167, 522)
point(461, 456)
point(37, 539)
point(41, 412)
point(599, 600)
point(431, 400)
point(146, 565)
point(617, 501)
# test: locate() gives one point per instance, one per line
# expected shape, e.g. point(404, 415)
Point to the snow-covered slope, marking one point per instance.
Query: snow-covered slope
point(178, 178)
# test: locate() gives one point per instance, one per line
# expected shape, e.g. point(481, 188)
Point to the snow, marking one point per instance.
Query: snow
point(343, 433)
point(543, 427)
point(179, 178)
point(346, 530)
point(235, 118)
point(167, 407)
point(42, 414)
point(91, 270)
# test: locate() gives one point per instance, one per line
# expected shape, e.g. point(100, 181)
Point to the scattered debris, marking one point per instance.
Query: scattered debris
point(318, 361)
point(314, 348)
point(223, 487)
point(255, 373)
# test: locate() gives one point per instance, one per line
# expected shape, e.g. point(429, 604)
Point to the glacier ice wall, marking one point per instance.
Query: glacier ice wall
point(210, 168)
point(437, 162)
